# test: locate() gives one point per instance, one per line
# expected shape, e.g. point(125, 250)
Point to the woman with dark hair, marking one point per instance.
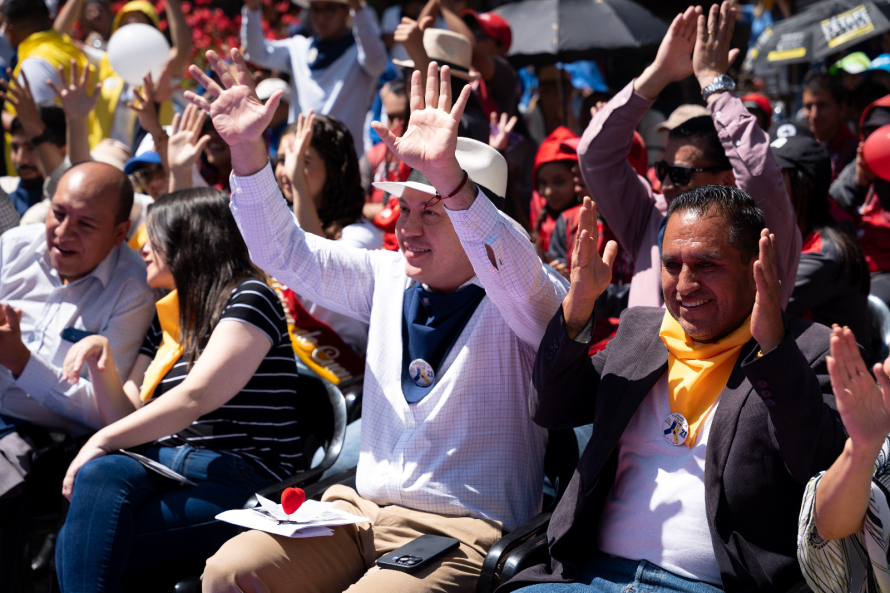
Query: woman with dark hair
point(832, 278)
point(212, 396)
point(318, 172)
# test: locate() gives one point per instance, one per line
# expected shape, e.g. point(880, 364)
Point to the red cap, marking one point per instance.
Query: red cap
point(493, 25)
point(763, 103)
point(876, 151)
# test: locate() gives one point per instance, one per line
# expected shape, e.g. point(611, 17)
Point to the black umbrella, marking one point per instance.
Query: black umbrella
point(548, 31)
point(823, 29)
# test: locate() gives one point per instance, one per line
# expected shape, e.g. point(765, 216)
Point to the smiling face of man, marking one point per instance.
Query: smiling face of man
point(82, 225)
point(433, 253)
point(708, 284)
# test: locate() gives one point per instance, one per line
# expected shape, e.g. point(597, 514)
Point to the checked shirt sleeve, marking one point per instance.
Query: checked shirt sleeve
point(525, 290)
point(338, 277)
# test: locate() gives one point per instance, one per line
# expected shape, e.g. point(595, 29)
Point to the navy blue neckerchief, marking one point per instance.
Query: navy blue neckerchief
point(329, 51)
point(431, 324)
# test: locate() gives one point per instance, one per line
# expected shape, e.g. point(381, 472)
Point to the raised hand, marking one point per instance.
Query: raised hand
point(186, 143)
point(77, 103)
point(430, 141)
point(712, 55)
point(237, 113)
point(93, 349)
point(862, 404)
point(25, 107)
point(500, 140)
point(766, 318)
point(591, 274)
point(295, 161)
point(145, 107)
point(674, 59)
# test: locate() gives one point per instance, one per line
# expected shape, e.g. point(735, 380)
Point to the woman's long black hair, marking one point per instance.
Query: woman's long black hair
point(195, 232)
point(342, 196)
point(814, 213)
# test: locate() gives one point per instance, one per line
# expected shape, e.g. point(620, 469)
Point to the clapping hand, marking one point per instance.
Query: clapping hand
point(862, 404)
point(430, 141)
point(26, 109)
point(237, 113)
point(75, 96)
point(712, 55)
point(591, 274)
point(766, 318)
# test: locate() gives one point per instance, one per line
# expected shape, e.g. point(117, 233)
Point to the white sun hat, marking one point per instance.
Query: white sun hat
point(485, 166)
point(447, 49)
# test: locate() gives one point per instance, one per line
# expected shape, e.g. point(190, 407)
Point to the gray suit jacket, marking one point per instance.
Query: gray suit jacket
point(776, 426)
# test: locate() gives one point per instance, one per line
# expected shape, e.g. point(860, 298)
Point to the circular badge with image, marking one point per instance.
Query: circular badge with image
point(676, 429)
point(422, 373)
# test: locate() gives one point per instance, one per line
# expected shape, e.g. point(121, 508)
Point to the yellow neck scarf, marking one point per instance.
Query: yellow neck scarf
point(697, 373)
point(170, 350)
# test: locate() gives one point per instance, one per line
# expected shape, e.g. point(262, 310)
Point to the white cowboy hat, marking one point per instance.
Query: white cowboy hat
point(447, 49)
point(485, 166)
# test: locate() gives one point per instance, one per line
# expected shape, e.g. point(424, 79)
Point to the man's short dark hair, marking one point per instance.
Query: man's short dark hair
point(816, 81)
point(702, 132)
point(53, 117)
point(737, 208)
point(24, 10)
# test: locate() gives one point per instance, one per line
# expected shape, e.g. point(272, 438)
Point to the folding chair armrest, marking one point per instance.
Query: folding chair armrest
point(498, 553)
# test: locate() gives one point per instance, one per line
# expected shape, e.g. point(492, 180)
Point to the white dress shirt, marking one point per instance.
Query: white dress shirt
point(113, 300)
point(469, 448)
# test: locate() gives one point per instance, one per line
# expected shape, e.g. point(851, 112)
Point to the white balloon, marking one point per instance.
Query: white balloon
point(137, 49)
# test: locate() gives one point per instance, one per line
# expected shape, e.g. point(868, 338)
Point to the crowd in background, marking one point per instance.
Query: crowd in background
point(217, 312)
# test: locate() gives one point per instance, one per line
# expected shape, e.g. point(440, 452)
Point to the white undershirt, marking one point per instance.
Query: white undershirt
point(655, 510)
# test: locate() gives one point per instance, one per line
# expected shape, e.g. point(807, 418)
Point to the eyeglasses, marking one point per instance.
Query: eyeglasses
point(681, 176)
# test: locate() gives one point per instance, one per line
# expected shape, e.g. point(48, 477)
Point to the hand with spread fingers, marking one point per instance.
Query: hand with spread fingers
point(766, 318)
point(504, 126)
point(591, 274)
point(75, 97)
point(19, 94)
point(430, 141)
point(713, 56)
point(237, 113)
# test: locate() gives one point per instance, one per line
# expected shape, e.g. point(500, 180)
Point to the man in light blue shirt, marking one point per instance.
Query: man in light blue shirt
point(65, 280)
point(335, 71)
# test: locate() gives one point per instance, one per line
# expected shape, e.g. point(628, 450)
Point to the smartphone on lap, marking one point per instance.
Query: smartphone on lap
point(417, 553)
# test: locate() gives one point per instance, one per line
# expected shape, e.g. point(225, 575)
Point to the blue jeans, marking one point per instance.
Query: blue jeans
point(604, 574)
point(124, 516)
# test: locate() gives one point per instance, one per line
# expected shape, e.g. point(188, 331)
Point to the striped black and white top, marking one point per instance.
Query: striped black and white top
point(260, 422)
point(857, 563)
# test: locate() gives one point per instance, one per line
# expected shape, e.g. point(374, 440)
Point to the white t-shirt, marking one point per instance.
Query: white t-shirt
point(655, 510)
point(38, 72)
point(363, 235)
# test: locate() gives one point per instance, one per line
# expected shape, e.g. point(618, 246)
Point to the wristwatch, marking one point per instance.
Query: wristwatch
point(721, 83)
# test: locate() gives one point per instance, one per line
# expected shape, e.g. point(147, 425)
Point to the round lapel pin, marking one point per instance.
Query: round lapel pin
point(676, 429)
point(421, 373)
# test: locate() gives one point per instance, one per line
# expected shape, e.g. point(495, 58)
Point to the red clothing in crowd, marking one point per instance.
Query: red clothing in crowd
point(552, 149)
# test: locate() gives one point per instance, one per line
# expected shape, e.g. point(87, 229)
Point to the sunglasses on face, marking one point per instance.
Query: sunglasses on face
point(681, 176)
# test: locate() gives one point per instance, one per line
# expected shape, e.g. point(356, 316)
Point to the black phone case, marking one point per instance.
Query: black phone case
point(426, 548)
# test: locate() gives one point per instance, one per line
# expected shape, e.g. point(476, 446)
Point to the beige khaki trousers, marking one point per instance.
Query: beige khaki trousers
point(259, 562)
